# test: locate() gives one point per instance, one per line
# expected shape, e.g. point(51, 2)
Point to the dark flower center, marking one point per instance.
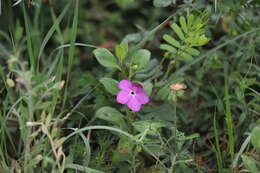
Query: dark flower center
point(132, 93)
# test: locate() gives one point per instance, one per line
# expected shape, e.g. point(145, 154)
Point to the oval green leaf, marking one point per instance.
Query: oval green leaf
point(192, 51)
point(141, 58)
point(183, 24)
point(110, 114)
point(178, 31)
point(255, 137)
point(106, 58)
point(110, 85)
point(168, 48)
point(171, 40)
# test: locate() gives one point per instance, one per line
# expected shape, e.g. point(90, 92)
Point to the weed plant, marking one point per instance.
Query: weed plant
point(128, 86)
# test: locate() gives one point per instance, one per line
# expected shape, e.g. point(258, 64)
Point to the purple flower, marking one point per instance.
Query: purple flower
point(131, 94)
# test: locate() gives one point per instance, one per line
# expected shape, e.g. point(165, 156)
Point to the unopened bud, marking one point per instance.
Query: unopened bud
point(178, 86)
point(39, 157)
point(30, 124)
point(134, 66)
point(62, 84)
point(53, 78)
point(10, 82)
point(59, 85)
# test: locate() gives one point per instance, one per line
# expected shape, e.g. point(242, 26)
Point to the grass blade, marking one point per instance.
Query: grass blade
point(71, 49)
point(228, 115)
point(242, 149)
point(217, 147)
point(81, 168)
point(59, 59)
point(50, 33)
point(28, 40)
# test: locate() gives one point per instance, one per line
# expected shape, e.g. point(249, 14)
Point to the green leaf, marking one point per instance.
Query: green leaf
point(249, 163)
point(172, 96)
point(110, 85)
point(202, 40)
point(168, 48)
point(255, 137)
point(124, 45)
point(190, 20)
point(106, 58)
point(192, 51)
point(148, 87)
point(161, 3)
point(111, 115)
point(121, 50)
point(180, 93)
point(183, 24)
point(186, 57)
point(141, 58)
point(82, 168)
point(195, 135)
point(151, 128)
point(171, 40)
point(178, 31)
point(164, 92)
point(58, 142)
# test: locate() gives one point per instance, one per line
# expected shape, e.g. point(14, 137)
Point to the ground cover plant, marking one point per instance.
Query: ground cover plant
point(138, 86)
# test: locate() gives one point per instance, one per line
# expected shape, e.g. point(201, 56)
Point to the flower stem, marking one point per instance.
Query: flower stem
point(175, 119)
point(130, 73)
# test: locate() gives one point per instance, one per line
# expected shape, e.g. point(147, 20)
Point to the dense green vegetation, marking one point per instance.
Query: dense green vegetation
point(138, 86)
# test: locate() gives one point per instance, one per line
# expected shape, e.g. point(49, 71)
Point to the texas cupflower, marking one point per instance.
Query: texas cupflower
point(131, 94)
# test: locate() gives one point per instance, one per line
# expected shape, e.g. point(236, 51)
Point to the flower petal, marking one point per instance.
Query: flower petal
point(123, 97)
point(134, 104)
point(125, 85)
point(137, 87)
point(142, 97)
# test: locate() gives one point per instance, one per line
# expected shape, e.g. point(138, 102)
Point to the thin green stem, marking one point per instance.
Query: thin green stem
point(29, 131)
point(169, 69)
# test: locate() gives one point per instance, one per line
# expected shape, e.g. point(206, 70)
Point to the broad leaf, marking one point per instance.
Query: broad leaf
point(164, 92)
point(151, 128)
point(148, 87)
point(255, 137)
point(111, 115)
point(141, 58)
point(250, 163)
point(121, 50)
point(106, 58)
point(110, 85)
